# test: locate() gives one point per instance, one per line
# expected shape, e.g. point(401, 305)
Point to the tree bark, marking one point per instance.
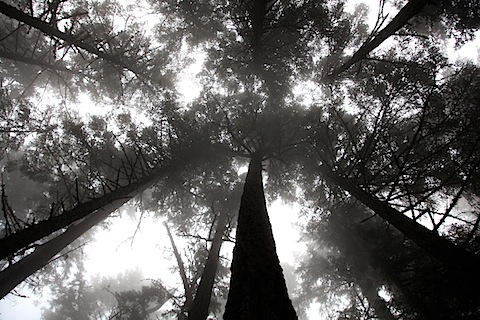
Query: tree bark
point(29, 235)
point(257, 284)
point(201, 302)
point(451, 255)
point(48, 29)
point(411, 9)
point(19, 271)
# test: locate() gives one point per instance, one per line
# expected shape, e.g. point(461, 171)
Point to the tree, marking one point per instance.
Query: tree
point(399, 137)
point(411, 9)
point(257, 286)
point(19, 271)
point(201, 302)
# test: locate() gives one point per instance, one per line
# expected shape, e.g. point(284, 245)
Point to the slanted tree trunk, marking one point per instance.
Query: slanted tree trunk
point(257, 284)
point(29, 235)
point(411, 9)
point(19, 271)
point(187, 287)
point(456, 258)
point(201, 302)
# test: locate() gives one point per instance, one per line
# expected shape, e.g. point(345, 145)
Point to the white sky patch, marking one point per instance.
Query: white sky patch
point(114, 251)
point(314, 311)
point(19, 309)
point(86, 106)
point(283, 218)
point(469, 51)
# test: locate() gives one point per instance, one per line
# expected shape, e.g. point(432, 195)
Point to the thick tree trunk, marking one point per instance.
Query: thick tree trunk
point(411, 9)
point(48, 29)
point(453, 256)
point(257, 284)
point(201, 303)
point(19, 271)
point(25, 237)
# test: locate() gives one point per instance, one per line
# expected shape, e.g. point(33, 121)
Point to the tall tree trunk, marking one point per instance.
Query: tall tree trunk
point(411, 9)
point(457, 259)
point(257, 284)
point(19, 271)
point(201, 302)
point(29, 235)
point(48, 29)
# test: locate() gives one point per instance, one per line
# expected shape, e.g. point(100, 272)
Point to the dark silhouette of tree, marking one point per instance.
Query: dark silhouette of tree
point(411, 9)
point(201, 302)
point(44, 253)
point(257, 286)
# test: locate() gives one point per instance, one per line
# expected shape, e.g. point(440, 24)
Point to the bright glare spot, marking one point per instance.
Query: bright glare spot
point(313, 311)
point(188, 84)
point(469, 51)
point(86, 106)
point(307, 92)
point(241, 170)
point(385, 294)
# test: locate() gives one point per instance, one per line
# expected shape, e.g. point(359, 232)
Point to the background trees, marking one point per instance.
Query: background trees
point(390, 133)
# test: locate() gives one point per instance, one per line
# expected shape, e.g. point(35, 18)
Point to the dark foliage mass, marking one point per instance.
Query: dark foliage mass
point(369, 125)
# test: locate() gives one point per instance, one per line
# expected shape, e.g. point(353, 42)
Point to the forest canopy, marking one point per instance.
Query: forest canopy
point(196, 116)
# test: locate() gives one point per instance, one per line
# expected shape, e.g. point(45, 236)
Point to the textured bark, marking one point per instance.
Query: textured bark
point(18, 272)
point(411, 9)
point(48, 29)
point(29, 235)
point(438, 247)
point(201, 302)
point(257, 284)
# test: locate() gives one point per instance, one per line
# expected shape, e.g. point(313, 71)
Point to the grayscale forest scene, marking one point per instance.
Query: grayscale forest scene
point(240, 159)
